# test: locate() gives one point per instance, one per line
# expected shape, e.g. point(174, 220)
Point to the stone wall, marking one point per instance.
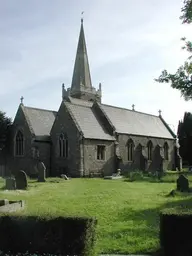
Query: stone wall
point(92, 164)
point(44, 155)
point(64, 123)
point(21, 162)
point(138, 161)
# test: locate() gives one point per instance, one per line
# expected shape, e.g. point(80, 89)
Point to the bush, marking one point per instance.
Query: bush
point(60, 235)
point(175, 230)
point(136, 175)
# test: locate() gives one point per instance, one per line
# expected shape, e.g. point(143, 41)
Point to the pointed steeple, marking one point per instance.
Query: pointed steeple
point(81, 72)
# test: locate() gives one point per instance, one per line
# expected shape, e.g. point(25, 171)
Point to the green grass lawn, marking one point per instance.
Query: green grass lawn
point(127, 212)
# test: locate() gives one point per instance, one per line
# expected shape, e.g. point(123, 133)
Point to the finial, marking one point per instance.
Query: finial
point(133, 107)
point(99, 86)
point(21, 99)
point(160, 112)
point(82, 17)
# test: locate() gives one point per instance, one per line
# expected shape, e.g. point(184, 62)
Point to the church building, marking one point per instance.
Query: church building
point(87, 137)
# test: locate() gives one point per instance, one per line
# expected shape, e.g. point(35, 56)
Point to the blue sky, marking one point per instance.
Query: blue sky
point(129, 43)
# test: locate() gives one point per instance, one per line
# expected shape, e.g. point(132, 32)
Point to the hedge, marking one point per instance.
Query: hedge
point(175, 231)
point(40, 235)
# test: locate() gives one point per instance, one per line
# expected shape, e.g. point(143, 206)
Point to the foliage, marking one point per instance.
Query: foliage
point(5, 129)
point(175, 226)
point(185, 137)
point(127, 212)
point(53, 235)
point(186, 16)
point(136, 175)
point(182, 79)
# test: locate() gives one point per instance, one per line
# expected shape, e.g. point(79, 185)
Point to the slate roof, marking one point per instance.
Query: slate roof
point(40, 120)
point(88, 122)
point(132, 122)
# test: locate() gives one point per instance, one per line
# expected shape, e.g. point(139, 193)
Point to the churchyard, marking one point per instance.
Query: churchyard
point(127, 212)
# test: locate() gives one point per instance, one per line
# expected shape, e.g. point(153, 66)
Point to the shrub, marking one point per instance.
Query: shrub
point(136, 175)
point(60, 235)
point(175, 229)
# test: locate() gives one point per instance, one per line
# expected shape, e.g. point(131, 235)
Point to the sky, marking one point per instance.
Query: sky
point(129, 43)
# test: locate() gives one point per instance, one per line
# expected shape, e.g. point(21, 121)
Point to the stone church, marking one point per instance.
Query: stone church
point(86, 137)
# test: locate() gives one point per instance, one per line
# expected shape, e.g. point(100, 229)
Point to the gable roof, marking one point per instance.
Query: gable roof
point(88, 122)
point(132, 122)
point(40, 120)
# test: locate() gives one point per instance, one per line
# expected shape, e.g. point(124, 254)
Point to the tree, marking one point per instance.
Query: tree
point(182, 79)
point(185, 137)
point(5, 129)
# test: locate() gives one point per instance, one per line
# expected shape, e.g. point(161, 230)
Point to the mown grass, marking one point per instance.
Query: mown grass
point(127, 212)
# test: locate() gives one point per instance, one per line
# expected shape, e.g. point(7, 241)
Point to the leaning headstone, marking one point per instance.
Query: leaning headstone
point(63, 176)
point(182, 184)
point(10, 184)
point(41, 172)
point(21, 180)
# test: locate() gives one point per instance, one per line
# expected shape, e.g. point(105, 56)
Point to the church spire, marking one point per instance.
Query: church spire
point(81, 73)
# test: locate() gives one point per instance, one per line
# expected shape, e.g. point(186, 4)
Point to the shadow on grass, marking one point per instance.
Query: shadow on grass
point(151, 221)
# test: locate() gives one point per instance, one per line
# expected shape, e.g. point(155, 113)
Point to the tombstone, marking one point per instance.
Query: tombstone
point(63, 176)
point(182, 184)
point(41, 172)
point(4, 202)
point(21, 180)
point(10, 184)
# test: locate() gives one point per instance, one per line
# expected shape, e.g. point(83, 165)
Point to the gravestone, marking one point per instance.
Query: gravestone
point(182, 184)
point(10, 184)
point(4, 202)
point(63, 176)
point(21, 180)
point(41, 172)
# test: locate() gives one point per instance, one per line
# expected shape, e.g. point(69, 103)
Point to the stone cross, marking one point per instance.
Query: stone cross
point(63, 91)
point(21, 99)
point(160, 112)
point(133, 107)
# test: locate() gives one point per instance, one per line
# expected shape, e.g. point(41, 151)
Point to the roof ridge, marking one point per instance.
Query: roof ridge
point(129, 110)
point(48, 110)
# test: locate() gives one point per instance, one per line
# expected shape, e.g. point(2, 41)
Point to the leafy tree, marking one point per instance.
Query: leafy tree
point(5, 129)
point(182, 79)
point(185, 137)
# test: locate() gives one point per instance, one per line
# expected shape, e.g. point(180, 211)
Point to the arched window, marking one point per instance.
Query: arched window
point(166, 151)
point(149, 150)
point(63, 145)
point(130, 146)
point(19, 144)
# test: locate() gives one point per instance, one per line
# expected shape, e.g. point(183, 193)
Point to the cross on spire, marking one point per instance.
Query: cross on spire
point(160, 112)
point(133, 107)
point(21, 99)
point(82, 16)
